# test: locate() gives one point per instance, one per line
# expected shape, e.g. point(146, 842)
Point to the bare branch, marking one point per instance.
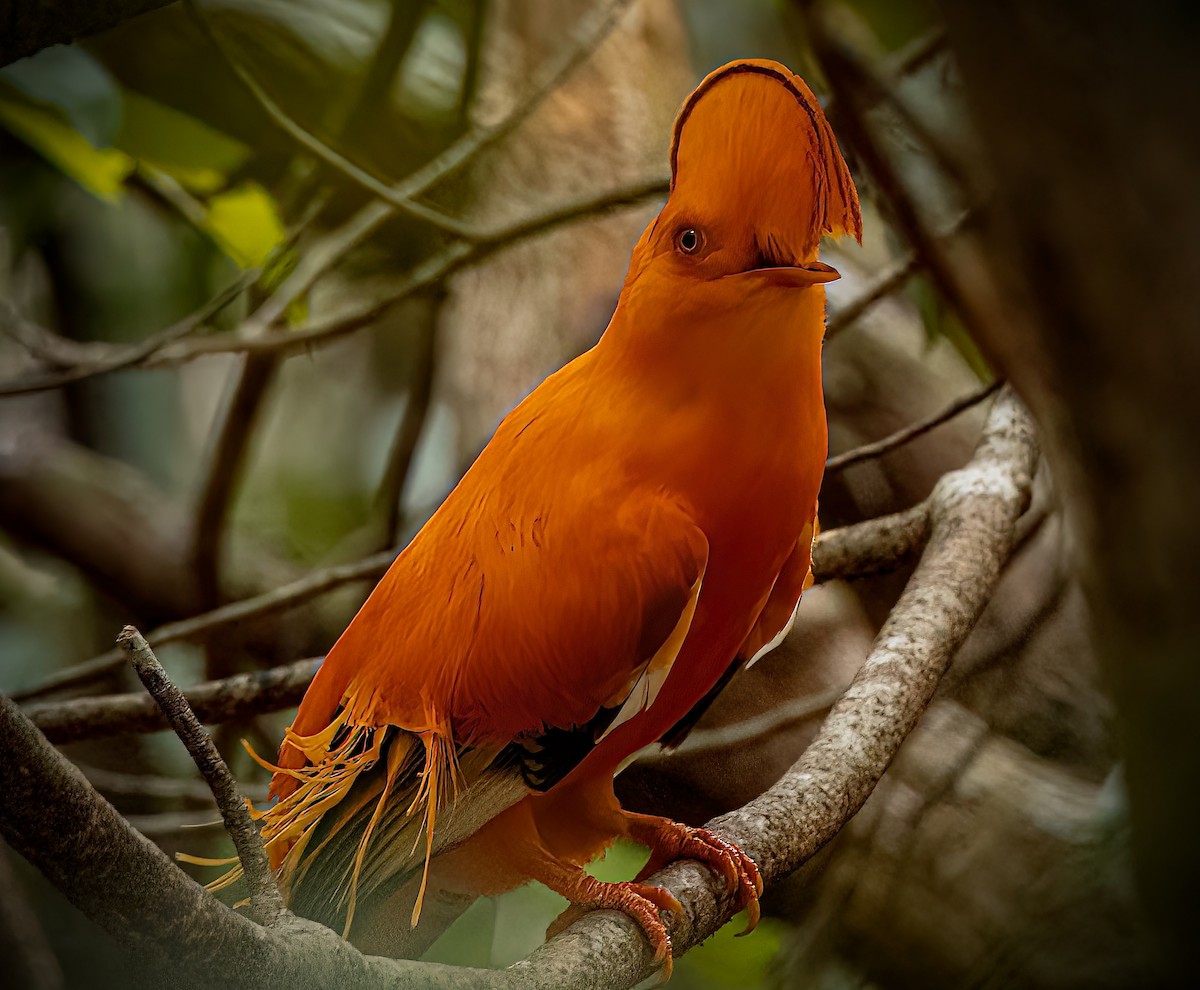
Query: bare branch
point(214, 701)
point(974, 512)
point(898, 439)
point(118, 878)
point(726, 737)
point(411, 427)
point(434, 269)
point(265, 899)
point(148, 785)
point(859, 87)
point(591, 32)
point(284, 597)
point(310, 142)
point(887, 283)
point(226, 458)
point(872, 547)
point(126, 356)
point(848, 552)
point(321, 257)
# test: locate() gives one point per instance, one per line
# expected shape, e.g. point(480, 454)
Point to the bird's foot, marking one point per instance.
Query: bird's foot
point(669, 841)
point(641, 901)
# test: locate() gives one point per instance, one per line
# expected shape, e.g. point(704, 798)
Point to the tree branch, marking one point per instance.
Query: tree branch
point(118, 878)
point(591, 32)
point(264, 894)
point(878, 448)
point(311, 143)
point(214, 701)
point(113, 357)
point(276, 600)
point(148, 785)
point(434, 269)
point(887, 283)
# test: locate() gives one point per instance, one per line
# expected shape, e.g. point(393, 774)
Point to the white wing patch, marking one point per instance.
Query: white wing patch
point(778, 638)
point(654, 674)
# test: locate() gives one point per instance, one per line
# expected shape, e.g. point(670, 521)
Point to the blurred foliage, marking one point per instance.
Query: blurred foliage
point(65, 106)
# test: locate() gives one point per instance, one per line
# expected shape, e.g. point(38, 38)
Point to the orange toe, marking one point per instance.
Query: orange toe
point(642, 902)
point(670, 840)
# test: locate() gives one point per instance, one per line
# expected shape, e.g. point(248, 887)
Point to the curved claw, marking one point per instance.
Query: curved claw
point(640, 901)
point(660, 897)
point(670, 840)
point(753, 916)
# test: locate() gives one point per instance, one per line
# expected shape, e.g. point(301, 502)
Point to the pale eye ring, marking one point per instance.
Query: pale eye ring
point(689, 240)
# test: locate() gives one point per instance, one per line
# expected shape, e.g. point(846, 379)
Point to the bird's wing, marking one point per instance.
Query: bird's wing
point(774, 622)
point(484, 666)
point(779, 613)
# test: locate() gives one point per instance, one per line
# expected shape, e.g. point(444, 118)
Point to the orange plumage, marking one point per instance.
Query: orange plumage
point(640, 523)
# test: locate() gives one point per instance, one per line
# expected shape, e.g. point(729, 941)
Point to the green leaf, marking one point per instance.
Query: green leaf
point(246, 224)
point(101, 171)
point(200, 158)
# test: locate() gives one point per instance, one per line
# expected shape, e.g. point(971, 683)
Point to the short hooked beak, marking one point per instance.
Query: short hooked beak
point(796, 276)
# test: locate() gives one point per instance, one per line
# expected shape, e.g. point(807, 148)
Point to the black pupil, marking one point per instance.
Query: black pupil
point(689, 240)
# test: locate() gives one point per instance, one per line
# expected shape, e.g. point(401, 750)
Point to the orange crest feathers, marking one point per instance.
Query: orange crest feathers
point(738, 136)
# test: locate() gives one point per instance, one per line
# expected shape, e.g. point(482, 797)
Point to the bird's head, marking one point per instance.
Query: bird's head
point(756, 180)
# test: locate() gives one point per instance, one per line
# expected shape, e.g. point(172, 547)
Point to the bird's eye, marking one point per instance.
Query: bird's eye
point(689, 240)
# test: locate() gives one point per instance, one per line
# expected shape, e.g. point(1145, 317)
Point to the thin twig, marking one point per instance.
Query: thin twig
point(875, 546)
point(887, 283)
point(847, 552)
point(133, 354)
point(411, 426)
point(856, 85)
point(161, 824)
point(148, 785)
point(213, 702)
point(592, 31)
point(225, 462)
point(918, 52)
point(265, 899)
point(117, 877)
point(438, 266)
point(310, 142)
point(878, 448)
point(50, 348)
point(269, 602)
point(762, 726)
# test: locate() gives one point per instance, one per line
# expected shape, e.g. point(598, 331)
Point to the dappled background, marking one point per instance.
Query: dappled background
point(228, 363)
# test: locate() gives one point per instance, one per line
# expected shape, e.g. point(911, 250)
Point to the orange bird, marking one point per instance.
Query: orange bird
point(638, 528)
